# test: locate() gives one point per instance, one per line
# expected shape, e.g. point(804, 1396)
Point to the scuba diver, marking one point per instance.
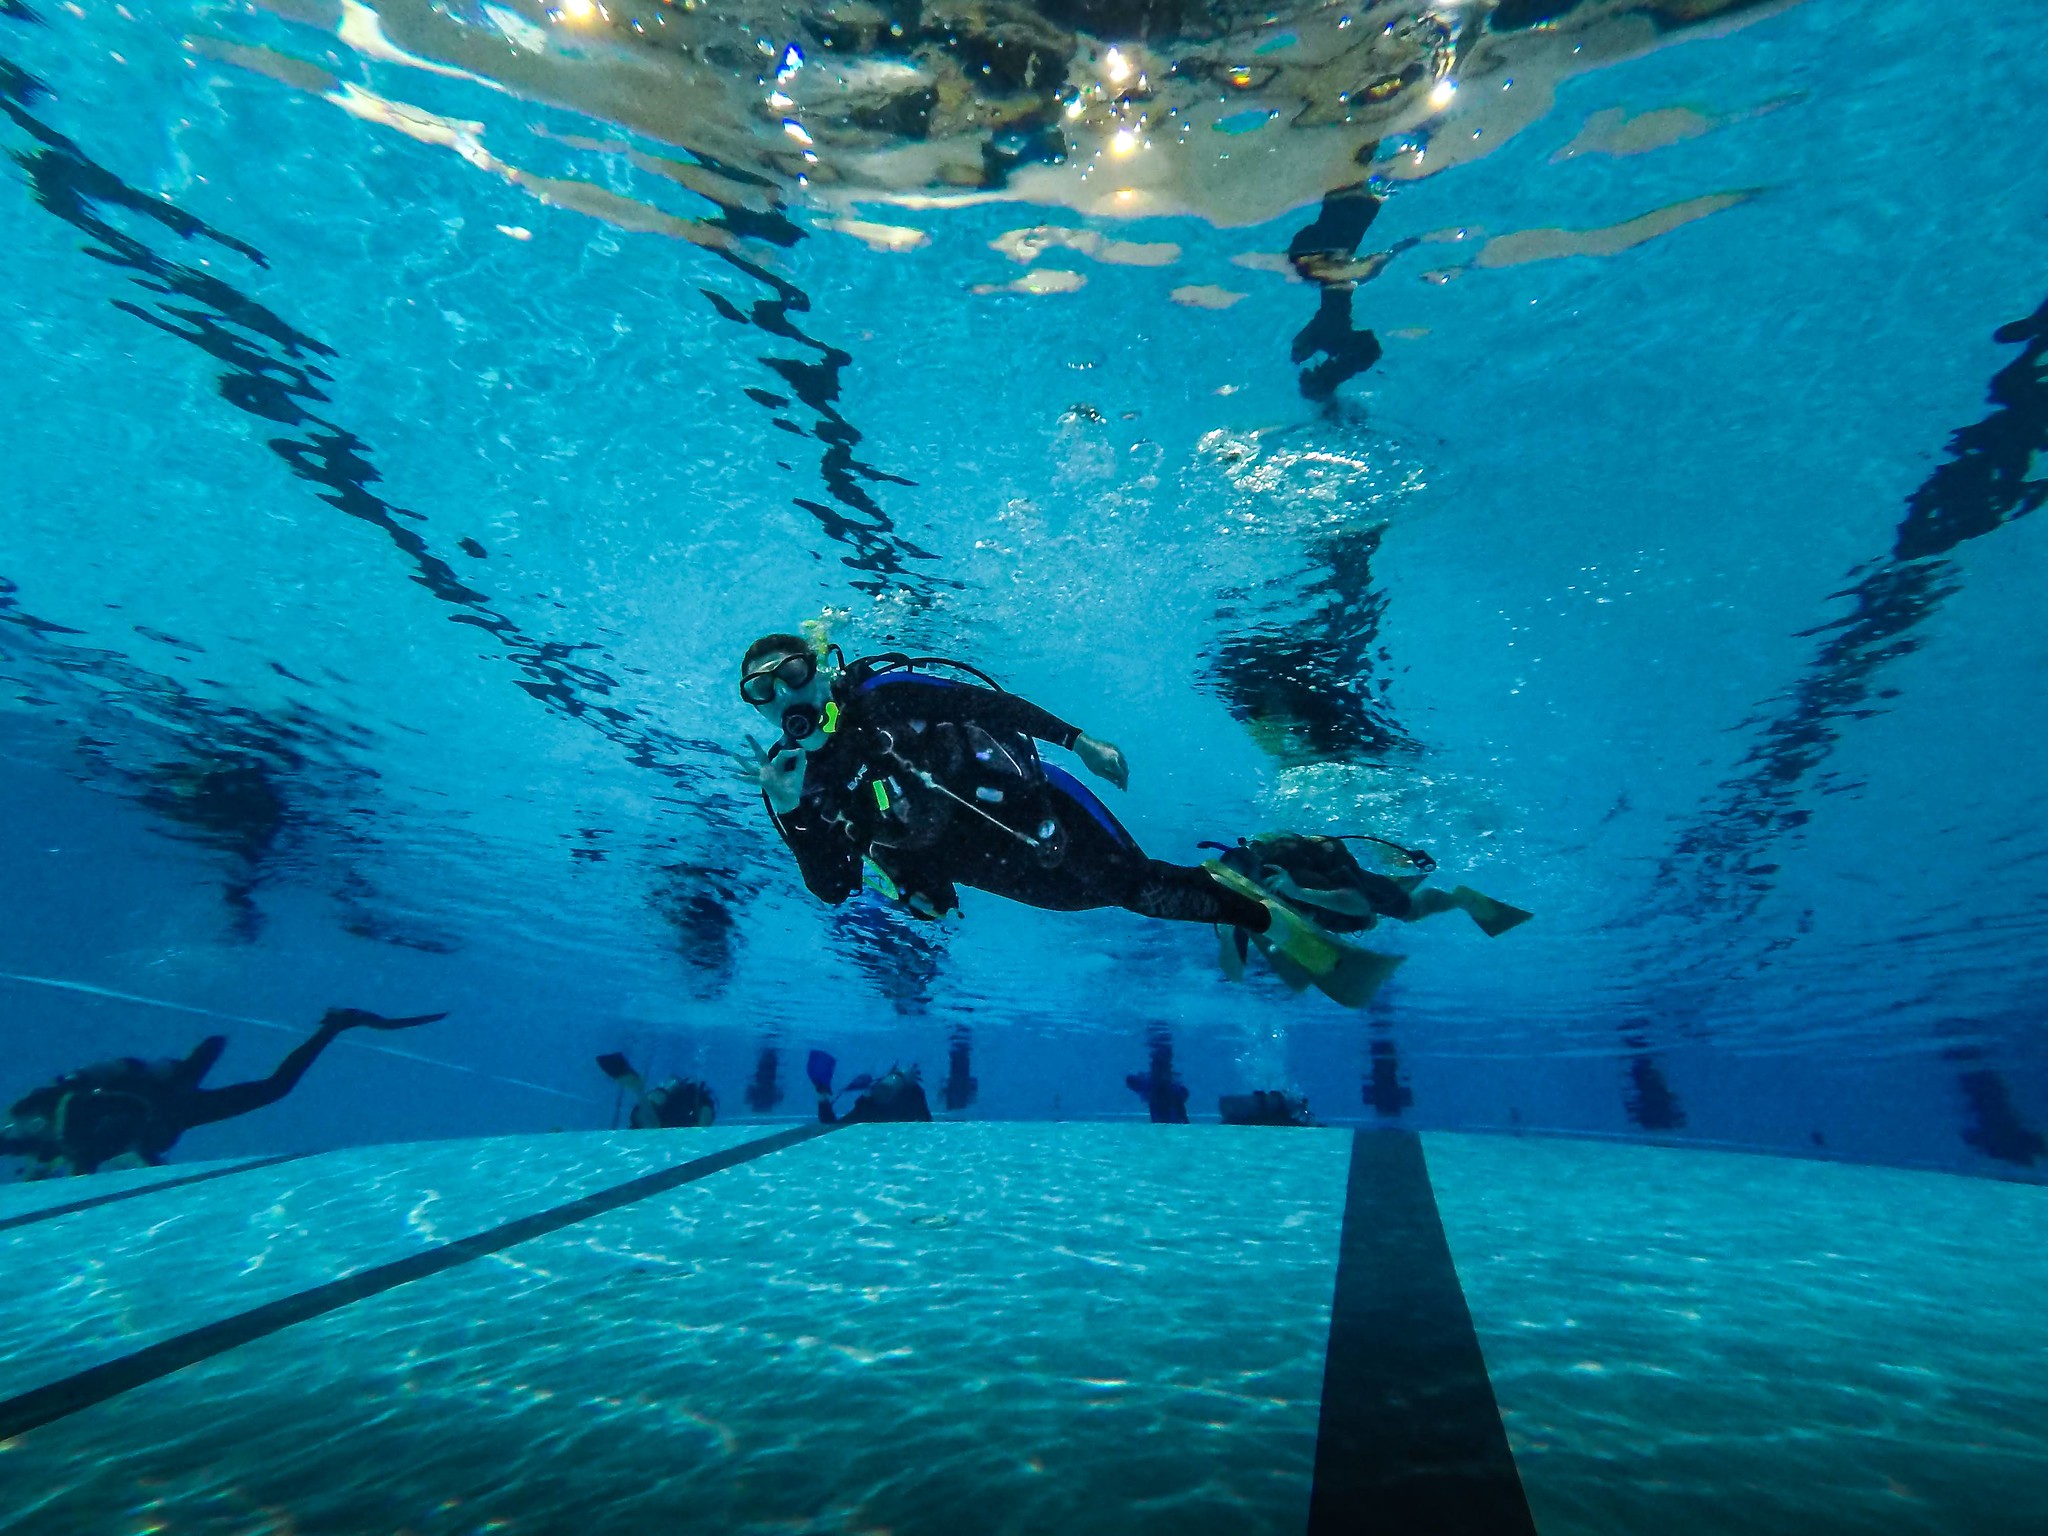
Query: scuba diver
point(961, 1087)
point(1265, 1107)
point(677, 1103)
point(1320, 877)
point(1165, 1095)
point(929, 783)
point(133, 1111)
point(764, 1091)
point(897, 1095)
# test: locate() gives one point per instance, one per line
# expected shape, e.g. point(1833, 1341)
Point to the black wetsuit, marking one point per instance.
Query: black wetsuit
point(895, 1098)
point(1265, 1107)
point(939, 784)
point(132, 1107)
point(678, 1103)
point(141, 1108)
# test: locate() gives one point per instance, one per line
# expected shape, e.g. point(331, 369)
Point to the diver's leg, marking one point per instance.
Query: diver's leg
point(1494, 918)
point(1181, 894)
point(1303, 953)
point(204, 1106)
point(1429, 902)
point(204, 1055)
point(1103, 866)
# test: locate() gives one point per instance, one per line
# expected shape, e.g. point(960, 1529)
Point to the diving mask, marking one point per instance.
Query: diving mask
point(793, 672)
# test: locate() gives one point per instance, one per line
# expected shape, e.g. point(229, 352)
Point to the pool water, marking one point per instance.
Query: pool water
point(1591, 443)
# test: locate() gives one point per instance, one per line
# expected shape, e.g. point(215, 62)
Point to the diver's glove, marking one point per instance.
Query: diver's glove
point(781, 771)
point(1102, 760)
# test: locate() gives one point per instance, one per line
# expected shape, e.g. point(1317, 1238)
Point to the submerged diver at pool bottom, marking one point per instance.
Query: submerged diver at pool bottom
point(134, 1111)
point(935, 784)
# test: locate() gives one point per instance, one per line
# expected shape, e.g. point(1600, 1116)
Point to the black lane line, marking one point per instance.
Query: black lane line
point(52, 1212)
point(1410, 1441)
point(43, 1405)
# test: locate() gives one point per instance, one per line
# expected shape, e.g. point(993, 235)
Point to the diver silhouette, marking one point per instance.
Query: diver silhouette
point(1165, 1095)
point(130, 1108)
point(896, 1096)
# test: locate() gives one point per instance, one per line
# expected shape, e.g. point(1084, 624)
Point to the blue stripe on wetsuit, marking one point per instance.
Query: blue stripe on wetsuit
point(1068, 785)
point(908, 676)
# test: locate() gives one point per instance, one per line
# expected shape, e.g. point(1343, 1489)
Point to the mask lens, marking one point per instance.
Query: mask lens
point(793, 671)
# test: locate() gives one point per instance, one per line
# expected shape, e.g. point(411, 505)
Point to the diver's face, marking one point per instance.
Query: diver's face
point(807, 701)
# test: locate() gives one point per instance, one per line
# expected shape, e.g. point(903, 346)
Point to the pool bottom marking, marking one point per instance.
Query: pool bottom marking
point(1409, 1441)
point(88, 1388)
point(52, 1212)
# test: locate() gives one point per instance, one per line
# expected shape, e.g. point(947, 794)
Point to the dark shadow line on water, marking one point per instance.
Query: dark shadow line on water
point(1409, 1438)
point(877, 552)
point(270, 372)
point(1980, 487)
point(1718, 865)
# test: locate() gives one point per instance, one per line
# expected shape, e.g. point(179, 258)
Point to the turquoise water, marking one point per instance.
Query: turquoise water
point(1593, 441)
point(388, 508)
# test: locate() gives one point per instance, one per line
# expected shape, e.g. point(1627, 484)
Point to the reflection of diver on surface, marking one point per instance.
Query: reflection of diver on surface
point(679, 1102)
point(1264, 1106)
point(764, 1090)
point(1322, 879)
point(933, 783)
point(135, 1109)
point(960, 1087)
point(900, 959)
point(233, 804)
point(897, 1095)
point(1165, 1095)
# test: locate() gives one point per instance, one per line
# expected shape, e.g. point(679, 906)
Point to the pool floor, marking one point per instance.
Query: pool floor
point(1022, 1328)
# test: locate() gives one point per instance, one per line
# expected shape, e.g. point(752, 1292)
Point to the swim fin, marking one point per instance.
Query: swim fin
point(351, 1018)
point(1290, 933)
point(820, 1068)
point(1493, 917)
point(1230, 951)
point(1302, 954)
point(376, 1021)
point(615, 1066)
point(1358, 975)
point(1292, 976)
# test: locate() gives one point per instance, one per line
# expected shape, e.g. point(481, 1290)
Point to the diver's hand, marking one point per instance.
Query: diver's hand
point(1103, 760)
point(781, 772)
